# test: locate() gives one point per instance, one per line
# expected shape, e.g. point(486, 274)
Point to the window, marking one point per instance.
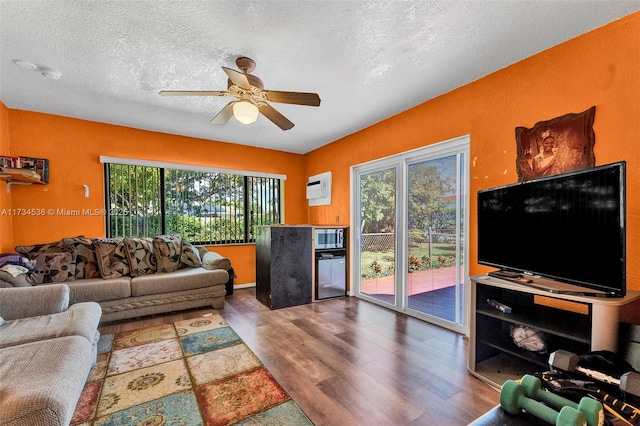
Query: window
point(206, 207)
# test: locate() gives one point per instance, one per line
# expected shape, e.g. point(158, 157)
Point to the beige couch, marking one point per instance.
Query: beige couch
point(47, 349)
point(127, 283)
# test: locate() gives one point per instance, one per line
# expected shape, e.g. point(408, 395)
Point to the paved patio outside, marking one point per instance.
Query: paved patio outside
point(418, 281)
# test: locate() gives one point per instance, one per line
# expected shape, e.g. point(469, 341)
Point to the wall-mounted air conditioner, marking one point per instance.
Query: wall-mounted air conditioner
point(319, 189)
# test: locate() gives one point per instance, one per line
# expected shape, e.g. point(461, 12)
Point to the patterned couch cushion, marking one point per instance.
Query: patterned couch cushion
point(142, 260)
point(49, 268)
point(84, 255)
point(112, 257)
point(34, 250)
point(168, 249)
point(52, 268)
point(190, 255)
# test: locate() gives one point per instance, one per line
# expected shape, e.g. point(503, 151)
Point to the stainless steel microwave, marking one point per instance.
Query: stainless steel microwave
point(329, 238)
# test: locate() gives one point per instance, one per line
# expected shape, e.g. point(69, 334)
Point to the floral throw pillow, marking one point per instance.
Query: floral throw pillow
point(168, 249)
point(190, 255)
point(112, 257)
point(142, 260)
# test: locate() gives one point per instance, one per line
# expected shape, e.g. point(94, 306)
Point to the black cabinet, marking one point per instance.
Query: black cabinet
point(284, 265)
point(577, 324)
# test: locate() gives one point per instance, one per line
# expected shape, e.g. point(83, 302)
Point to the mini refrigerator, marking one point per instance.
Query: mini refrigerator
point(331, 274)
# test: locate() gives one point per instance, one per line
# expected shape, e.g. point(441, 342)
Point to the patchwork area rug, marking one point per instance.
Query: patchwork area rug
point(190, 373)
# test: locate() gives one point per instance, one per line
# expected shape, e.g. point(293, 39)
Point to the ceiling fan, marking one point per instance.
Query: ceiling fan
point(252, 97)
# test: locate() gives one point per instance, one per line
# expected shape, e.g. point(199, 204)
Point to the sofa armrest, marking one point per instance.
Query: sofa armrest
point(7, 280)
point(213, 260)
point(23, 302)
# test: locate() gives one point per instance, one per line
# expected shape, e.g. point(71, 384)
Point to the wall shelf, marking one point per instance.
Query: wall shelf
point(17, 178)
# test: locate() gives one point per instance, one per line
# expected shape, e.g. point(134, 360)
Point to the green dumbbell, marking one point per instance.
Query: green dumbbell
point(592, 409)
point(513, 400)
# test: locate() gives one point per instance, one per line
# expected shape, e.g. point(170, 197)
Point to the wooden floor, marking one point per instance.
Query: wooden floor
point(349, 362)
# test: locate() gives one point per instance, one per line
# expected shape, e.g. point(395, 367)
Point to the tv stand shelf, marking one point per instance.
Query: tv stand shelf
point(579, 324)
point(544, 319)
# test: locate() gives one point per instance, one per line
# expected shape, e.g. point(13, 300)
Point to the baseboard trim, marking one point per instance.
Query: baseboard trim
point(247, 285)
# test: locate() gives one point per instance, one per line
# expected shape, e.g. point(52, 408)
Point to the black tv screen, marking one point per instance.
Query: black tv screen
point(568, 228)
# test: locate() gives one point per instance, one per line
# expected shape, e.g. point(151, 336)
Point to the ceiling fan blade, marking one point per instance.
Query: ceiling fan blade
point(237, 78)
point(223, 116)
point(193, 93)
point(273, 115)
point(298, 98)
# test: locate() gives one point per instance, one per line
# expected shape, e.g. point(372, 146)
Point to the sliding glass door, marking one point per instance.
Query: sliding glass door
point(378, 240)
point(435, 243)
point(410, 217)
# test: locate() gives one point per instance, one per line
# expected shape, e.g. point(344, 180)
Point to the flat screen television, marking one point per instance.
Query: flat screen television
point(567, 228)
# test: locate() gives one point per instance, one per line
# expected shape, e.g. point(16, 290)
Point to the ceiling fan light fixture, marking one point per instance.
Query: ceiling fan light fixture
point(245, 112)
point(253, 100)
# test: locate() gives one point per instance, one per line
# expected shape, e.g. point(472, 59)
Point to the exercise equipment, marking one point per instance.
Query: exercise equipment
point(629, 383)
point(571, 388)
point(568, 361)
point(513, 400)
point(592, 409)
point(620, 409)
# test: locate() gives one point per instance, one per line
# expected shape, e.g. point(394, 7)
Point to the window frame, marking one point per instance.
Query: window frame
point(248, 177)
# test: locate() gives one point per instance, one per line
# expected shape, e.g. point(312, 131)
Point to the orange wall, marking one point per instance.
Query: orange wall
point(73, 148)
point(600, 68)
point(6, 234)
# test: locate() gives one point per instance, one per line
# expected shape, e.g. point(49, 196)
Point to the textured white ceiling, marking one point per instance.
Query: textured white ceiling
point(368, 60)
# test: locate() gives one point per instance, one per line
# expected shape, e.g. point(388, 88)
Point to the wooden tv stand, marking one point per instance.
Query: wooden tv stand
point(579, 324)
